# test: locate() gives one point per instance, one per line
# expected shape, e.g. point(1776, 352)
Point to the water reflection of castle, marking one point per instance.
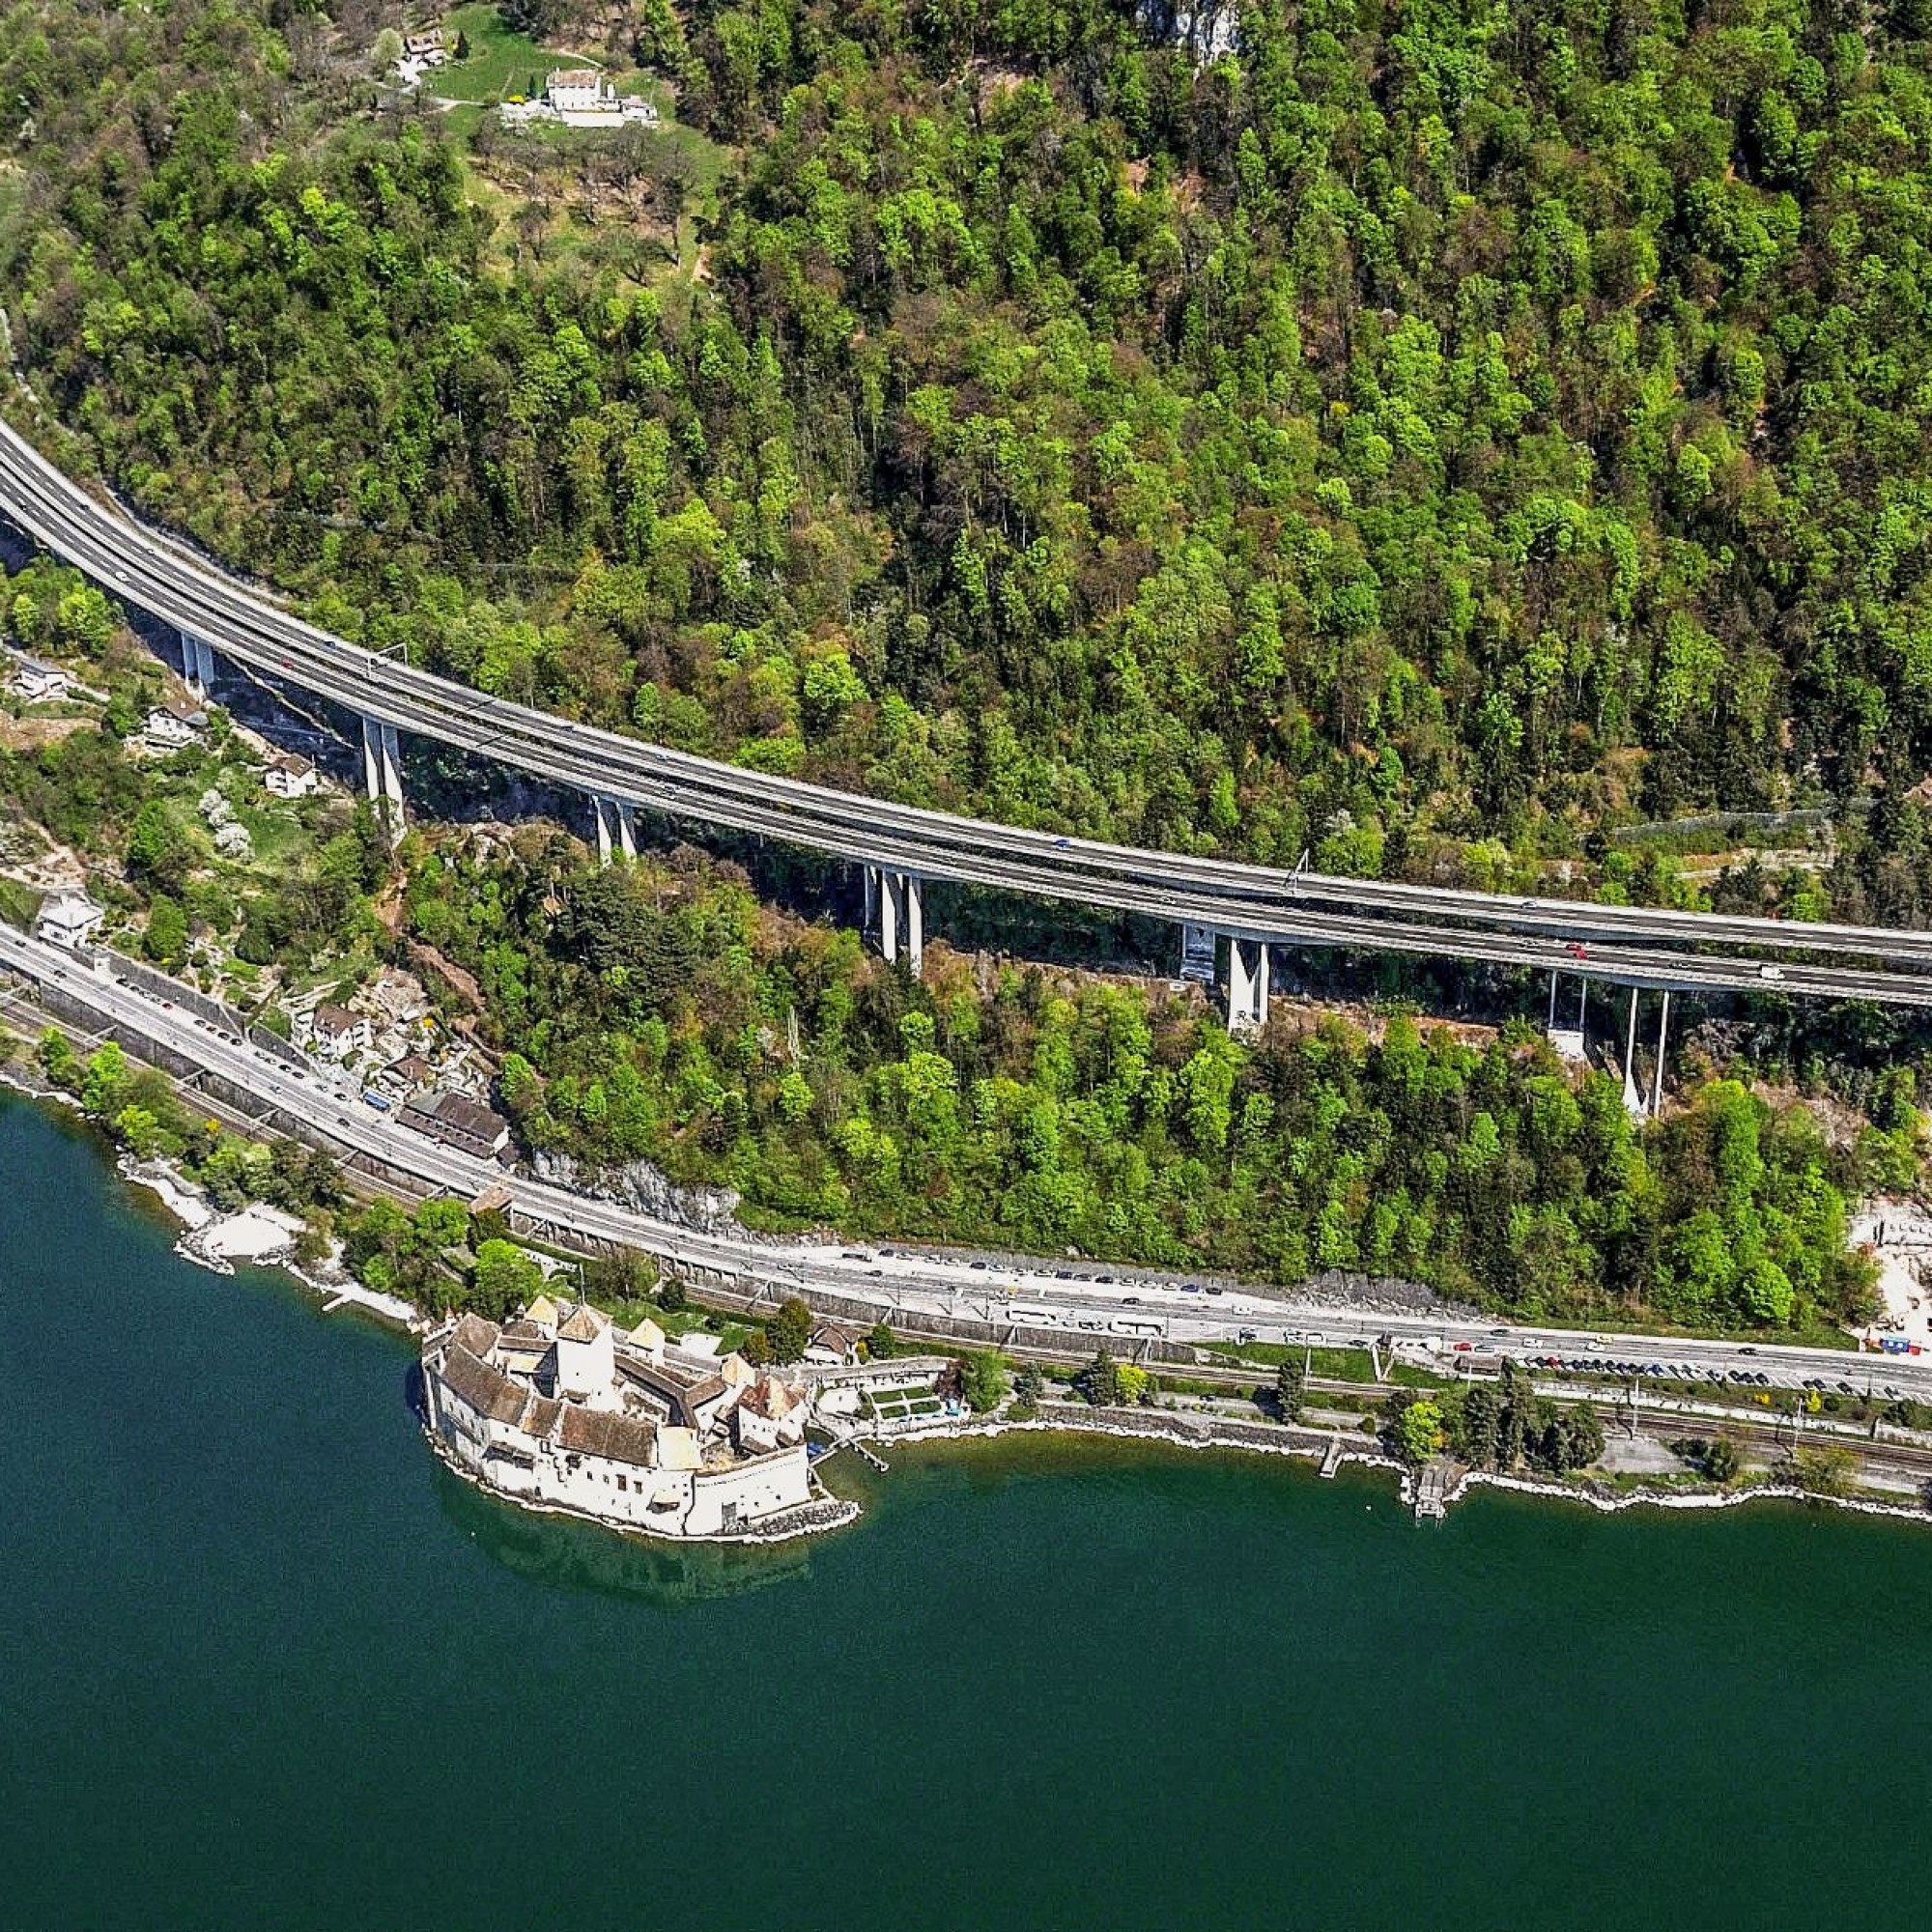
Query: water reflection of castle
point(578, 1556)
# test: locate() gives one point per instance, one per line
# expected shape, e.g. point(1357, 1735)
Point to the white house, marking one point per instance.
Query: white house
point(173, 723)
point(580, 98)
point(334, 1032)
point(288, 775)
point(579, 90)
point(39, 682)
point(68, 919)
point(832, 1347)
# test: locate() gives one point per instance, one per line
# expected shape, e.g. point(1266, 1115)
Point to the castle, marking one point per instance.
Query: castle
point(563, 1411)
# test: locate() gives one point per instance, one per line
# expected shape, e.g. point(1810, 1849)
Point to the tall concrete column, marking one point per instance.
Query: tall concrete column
point(382, 773)
point(1247, 983)
point(1663, 1036)
point(392, 771)
point(914, 906)
point(1197, 953)
point(197, 663)
point(616, 829)
point(896, 911)
point(1568, 1040)
point(1633, 1092)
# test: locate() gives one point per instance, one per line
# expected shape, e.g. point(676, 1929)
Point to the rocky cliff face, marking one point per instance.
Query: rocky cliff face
point(1206, 28)
point(705, 1210)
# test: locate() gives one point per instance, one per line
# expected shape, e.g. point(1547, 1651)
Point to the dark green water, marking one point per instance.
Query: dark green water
point(263, 1664)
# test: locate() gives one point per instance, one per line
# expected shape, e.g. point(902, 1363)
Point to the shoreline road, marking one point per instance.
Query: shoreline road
point(1630, 946)
point(1086, 1306)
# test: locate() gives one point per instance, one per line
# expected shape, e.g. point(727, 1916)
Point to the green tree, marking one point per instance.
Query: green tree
point(58, 1060)
point(505, 1279)
point(1029, 1385)
point(1099, 1381)
point(790, 1329)
point(1289, 1391)
point(1825, 1469)
point(158, 851)
point(105, 1081)
point(138, 1131)
point(1419, 1431)
point(443, 1223)
point(166, 941)
point(984, 1381)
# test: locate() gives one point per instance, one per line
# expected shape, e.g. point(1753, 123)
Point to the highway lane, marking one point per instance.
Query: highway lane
point(1628, 945)
point(1086, 1303)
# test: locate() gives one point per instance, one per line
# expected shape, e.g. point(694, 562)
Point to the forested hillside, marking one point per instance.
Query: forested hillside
point(1428, 433)
point(659, 1012)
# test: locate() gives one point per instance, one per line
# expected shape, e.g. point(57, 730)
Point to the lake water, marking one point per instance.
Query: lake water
point(263, 1662)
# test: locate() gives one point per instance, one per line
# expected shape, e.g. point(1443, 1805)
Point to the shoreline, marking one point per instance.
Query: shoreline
point(190, 1207)
point(198, 1216)
point(842, 1512)
point(1106, 1423)
point(213, 1240)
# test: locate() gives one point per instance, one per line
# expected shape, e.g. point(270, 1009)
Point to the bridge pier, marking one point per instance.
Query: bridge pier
point(1633, 1094)
point(197, 663)
point(1197, 953)
point(382, 773)
point(895, 912)
point(616, 830)
point(1569, 1040)
point(1662, 1038)
point(1247, 983)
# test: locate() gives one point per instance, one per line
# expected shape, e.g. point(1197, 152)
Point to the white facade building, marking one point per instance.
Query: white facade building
point(173, 724)
point(288, 775)
point(579, 91)
point(580, 98)
point(333, 1031)
point(39, 682)
point(511, 1427)
point(68, 919)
